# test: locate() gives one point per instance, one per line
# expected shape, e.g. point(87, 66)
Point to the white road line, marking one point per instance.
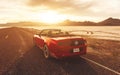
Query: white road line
point(100, 65)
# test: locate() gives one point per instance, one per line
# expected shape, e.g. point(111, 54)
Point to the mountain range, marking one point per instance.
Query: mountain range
point(107, 22)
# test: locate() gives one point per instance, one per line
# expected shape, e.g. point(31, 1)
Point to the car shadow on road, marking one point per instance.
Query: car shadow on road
point(34, 63)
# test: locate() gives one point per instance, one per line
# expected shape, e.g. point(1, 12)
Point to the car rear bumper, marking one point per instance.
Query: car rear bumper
point(68, 52)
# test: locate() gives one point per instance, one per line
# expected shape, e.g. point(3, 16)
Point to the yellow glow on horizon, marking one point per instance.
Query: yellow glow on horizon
point(51, 17)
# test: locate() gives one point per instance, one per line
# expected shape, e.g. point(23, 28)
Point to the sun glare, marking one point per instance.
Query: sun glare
point(51, 17)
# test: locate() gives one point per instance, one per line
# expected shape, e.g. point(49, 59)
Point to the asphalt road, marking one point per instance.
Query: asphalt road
point(33, 63)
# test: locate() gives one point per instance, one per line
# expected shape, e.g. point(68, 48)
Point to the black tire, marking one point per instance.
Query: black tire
point(46, 52)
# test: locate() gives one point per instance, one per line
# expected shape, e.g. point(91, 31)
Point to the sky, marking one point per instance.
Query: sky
point(54, 11)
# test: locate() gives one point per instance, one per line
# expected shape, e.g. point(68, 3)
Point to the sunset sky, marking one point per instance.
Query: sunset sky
point(53, 11)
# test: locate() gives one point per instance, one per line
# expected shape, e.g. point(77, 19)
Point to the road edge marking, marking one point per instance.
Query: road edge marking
point(100, 65)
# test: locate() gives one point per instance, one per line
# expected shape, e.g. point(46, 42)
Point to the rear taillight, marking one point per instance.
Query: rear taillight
point(72, 42)
point(78, 42)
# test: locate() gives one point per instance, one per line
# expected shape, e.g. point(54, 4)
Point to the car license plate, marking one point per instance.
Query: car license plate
point(76, 50)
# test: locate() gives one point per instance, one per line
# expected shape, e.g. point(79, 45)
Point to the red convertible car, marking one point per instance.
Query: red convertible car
point(57, 43)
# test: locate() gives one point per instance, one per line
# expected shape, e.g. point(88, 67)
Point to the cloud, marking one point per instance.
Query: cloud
point(80, 7)
point(72, 8)
point(53, 4)
point(64, 6)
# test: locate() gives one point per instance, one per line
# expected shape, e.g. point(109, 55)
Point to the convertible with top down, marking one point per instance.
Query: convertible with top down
point(57, 43)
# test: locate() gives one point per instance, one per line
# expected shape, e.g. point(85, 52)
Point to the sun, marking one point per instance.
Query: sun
point(51, 17)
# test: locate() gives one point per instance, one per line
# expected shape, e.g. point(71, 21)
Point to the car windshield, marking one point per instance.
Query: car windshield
point(54, 33)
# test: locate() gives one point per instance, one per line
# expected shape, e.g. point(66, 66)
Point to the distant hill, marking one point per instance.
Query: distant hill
point(110, 22)
point(107, 22)
point(73, 23)
point(23, 24)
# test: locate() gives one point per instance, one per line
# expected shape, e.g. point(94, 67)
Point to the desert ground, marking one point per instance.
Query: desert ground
point(20, 56)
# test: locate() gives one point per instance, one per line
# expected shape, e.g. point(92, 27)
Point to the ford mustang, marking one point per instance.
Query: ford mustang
point(57, 43)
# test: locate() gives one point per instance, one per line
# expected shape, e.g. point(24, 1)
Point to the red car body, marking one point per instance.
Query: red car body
point(58, 43)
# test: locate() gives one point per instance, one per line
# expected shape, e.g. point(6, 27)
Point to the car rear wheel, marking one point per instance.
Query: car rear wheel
point(46, 52)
